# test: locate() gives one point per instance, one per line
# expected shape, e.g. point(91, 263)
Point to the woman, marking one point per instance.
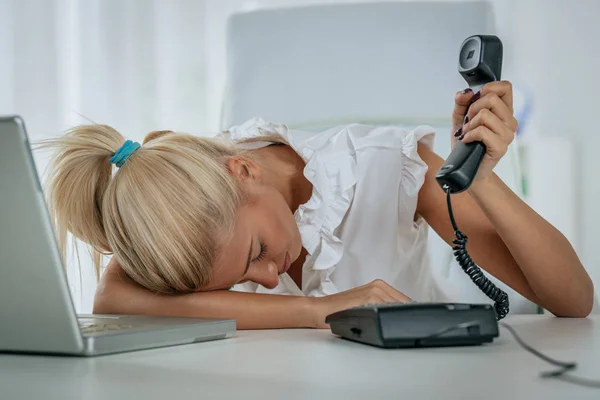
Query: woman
point(308, 225)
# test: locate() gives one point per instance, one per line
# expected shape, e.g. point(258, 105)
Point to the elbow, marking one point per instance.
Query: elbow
point(111, 293)
point(581, 312)
point(102, 306)
point(108, 307)
point(102, 303)
point(582, 304)
point(586, 301)
point(105, 303)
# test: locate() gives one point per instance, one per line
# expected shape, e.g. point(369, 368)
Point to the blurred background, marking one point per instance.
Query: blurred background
point(186, 65)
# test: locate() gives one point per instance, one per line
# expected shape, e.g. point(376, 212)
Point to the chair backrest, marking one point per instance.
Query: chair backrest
point(380, 63)
point(319, 65)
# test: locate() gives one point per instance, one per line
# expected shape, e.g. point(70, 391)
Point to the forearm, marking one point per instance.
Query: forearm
point(117, 294)
point(545, 257)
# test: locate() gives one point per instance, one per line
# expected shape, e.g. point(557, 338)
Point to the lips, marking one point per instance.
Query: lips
point(287, 263)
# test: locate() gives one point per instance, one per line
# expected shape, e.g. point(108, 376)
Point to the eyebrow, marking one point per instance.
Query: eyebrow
point(249, 257)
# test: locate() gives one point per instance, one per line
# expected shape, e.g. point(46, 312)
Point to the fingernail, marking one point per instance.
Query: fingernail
point(461, 137)
point(467, 90)
point(466, 119)
point(476, 97)
point(458, 132)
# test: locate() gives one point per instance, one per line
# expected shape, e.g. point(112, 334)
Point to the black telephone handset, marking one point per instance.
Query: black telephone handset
point(480, 62)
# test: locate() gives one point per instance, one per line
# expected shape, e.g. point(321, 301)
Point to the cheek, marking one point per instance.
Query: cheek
point(281, 218)
point(288, 225)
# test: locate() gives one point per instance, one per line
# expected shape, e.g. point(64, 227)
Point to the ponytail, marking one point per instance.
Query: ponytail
point(76, 180)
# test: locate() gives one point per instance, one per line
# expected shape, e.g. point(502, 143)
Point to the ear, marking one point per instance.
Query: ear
point(244, 169)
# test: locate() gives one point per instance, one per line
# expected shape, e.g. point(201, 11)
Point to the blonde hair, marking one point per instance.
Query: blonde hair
point(160, 214)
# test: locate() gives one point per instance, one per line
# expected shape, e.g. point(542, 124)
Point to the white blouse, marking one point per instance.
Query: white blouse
point(359, 224)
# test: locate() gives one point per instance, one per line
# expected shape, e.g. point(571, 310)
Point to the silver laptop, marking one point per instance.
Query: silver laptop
point(36, 311)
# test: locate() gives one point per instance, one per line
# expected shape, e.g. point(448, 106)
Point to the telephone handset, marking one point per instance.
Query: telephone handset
point(480, 62)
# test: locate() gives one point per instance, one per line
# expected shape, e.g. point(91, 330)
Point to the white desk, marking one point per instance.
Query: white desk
point(313, 364)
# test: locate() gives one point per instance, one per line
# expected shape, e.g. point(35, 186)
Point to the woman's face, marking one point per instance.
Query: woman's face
point(264, 243)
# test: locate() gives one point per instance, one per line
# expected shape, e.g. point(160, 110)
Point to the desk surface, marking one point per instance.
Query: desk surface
point(314, 364)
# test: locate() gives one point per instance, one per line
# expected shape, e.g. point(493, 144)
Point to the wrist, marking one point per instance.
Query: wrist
point(308, 307)
point(480, 186)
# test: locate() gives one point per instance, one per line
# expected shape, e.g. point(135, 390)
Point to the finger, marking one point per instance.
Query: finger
point(383, 290)
point(396, 296)
point(381, 299)
point(503, 89)
point(389, 298)
point(401, 297)
point(461, 104)
point(493, 103)
point(495, 147)
point(490, 120)
point(387, 292)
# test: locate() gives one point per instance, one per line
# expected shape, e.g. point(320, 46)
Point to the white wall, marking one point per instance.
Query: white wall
point(553, 46)
point(137, 65)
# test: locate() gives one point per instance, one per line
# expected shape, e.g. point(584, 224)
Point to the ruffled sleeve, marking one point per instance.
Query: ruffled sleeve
point(255, 128)
point(413, 171)
point(331, 169)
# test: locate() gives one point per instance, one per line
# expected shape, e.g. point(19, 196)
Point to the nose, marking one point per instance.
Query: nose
point(267, 275)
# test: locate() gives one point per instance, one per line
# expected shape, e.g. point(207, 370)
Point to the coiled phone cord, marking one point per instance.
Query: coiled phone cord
point(463, 258)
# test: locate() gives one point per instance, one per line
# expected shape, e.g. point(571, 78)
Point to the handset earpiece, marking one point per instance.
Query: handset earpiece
point(479, 62)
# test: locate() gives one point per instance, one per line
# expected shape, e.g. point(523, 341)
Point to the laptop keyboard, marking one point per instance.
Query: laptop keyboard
point(90, 327)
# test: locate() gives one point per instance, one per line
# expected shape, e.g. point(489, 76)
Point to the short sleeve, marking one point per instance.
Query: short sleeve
point(413, 170)
point(254, 128)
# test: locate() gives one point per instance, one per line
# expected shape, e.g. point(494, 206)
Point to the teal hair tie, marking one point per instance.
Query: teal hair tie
point(124, 152)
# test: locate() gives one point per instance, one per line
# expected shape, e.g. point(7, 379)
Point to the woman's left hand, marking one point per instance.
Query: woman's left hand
point(488, 119)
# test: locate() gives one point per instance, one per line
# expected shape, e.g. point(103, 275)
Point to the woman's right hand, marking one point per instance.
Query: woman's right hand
point(377, 291)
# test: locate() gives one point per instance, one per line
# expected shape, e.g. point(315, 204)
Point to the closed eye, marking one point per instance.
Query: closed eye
point(263, 252)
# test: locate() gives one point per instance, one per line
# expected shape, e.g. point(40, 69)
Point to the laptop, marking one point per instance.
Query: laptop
point(36, 310)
